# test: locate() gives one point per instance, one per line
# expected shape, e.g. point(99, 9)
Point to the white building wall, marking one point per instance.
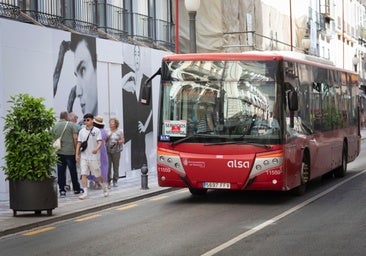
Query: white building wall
point(3, 184)
point(27, 64)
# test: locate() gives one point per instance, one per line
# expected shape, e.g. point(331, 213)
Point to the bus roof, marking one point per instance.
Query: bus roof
point(258, 55)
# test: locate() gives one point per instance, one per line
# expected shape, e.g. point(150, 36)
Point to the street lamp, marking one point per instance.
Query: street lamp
point(355, 62)
point(306, 43)
point(192, 7)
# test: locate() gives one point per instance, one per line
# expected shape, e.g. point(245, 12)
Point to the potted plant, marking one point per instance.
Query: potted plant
point(30, 158)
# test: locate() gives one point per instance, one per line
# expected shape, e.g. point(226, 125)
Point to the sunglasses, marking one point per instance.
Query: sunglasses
point(87, 119)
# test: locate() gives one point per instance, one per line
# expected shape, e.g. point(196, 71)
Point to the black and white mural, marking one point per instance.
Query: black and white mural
point(82, 74)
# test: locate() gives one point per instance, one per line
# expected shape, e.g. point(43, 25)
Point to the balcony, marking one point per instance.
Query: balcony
point(92, 18)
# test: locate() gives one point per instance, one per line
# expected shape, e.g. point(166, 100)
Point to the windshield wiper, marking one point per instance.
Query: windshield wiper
point(266, 146)
point(196, 135)
point(182, 140)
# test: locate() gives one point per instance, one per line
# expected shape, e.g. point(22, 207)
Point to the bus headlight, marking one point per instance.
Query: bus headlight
point(172, 160)
point(265, 162)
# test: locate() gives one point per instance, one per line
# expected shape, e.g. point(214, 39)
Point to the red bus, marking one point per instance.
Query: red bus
point(254, 121)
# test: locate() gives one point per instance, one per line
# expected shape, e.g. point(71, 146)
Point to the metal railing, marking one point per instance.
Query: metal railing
point(164, 33)
point(113, 20)
point(142, 26)
point(91, 17)
point(9, 9)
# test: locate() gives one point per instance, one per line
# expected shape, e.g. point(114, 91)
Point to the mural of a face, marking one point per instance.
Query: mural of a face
point(86, 87)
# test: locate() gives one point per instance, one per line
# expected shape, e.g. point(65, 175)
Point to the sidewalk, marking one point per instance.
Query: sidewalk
point(129, 189)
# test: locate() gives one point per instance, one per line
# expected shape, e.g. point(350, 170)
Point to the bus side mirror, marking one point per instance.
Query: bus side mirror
point(145, 93)
point(293, 102)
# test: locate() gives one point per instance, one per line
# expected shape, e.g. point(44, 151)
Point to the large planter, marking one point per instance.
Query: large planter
point(34, 196)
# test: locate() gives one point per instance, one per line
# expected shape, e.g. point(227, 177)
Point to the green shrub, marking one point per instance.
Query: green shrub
point(28, 139)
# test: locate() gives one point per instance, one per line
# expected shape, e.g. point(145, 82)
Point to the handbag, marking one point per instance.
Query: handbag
point(84, 144)
point(114, 146)
point(57, 143)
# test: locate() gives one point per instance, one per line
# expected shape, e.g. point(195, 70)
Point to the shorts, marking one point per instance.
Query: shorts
point(90, 167)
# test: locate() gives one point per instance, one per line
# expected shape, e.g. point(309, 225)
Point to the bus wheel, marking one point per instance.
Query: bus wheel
point(340, 172)
point(304, 177)
point(198, 191)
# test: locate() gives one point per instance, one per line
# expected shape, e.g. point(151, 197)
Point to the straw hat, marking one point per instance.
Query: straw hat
point(98, 120)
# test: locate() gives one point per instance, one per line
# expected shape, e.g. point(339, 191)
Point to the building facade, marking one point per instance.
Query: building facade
point(131, 36)
point(39, 52)
point(331, 29)
point(147, 23)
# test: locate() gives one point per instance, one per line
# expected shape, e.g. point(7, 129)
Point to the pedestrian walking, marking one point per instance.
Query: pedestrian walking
point(73, 119)
point(88, 154)
point(115, 141)
point(98, 122)
point(66, 154)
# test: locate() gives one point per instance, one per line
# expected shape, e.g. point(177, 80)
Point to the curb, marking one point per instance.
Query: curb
point(95, 208)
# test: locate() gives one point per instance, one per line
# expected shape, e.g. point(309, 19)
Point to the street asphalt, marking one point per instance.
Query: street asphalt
point(129, 189)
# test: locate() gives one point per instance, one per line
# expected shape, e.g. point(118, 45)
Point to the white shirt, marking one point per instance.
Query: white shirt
point(95, 136)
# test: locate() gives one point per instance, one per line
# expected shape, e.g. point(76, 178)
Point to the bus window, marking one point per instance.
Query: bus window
point(230, 92)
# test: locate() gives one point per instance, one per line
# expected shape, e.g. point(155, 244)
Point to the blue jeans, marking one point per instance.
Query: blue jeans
point(67, 161)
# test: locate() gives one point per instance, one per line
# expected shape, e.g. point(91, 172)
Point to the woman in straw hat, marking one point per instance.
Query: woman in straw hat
point(98, 122)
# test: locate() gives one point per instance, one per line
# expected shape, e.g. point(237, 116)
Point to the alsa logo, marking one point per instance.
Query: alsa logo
point(238, 164)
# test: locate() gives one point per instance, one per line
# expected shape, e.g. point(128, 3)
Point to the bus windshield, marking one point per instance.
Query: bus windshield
point(220, 101)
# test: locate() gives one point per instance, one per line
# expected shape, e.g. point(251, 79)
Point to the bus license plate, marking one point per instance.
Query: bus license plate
point(216, 185)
